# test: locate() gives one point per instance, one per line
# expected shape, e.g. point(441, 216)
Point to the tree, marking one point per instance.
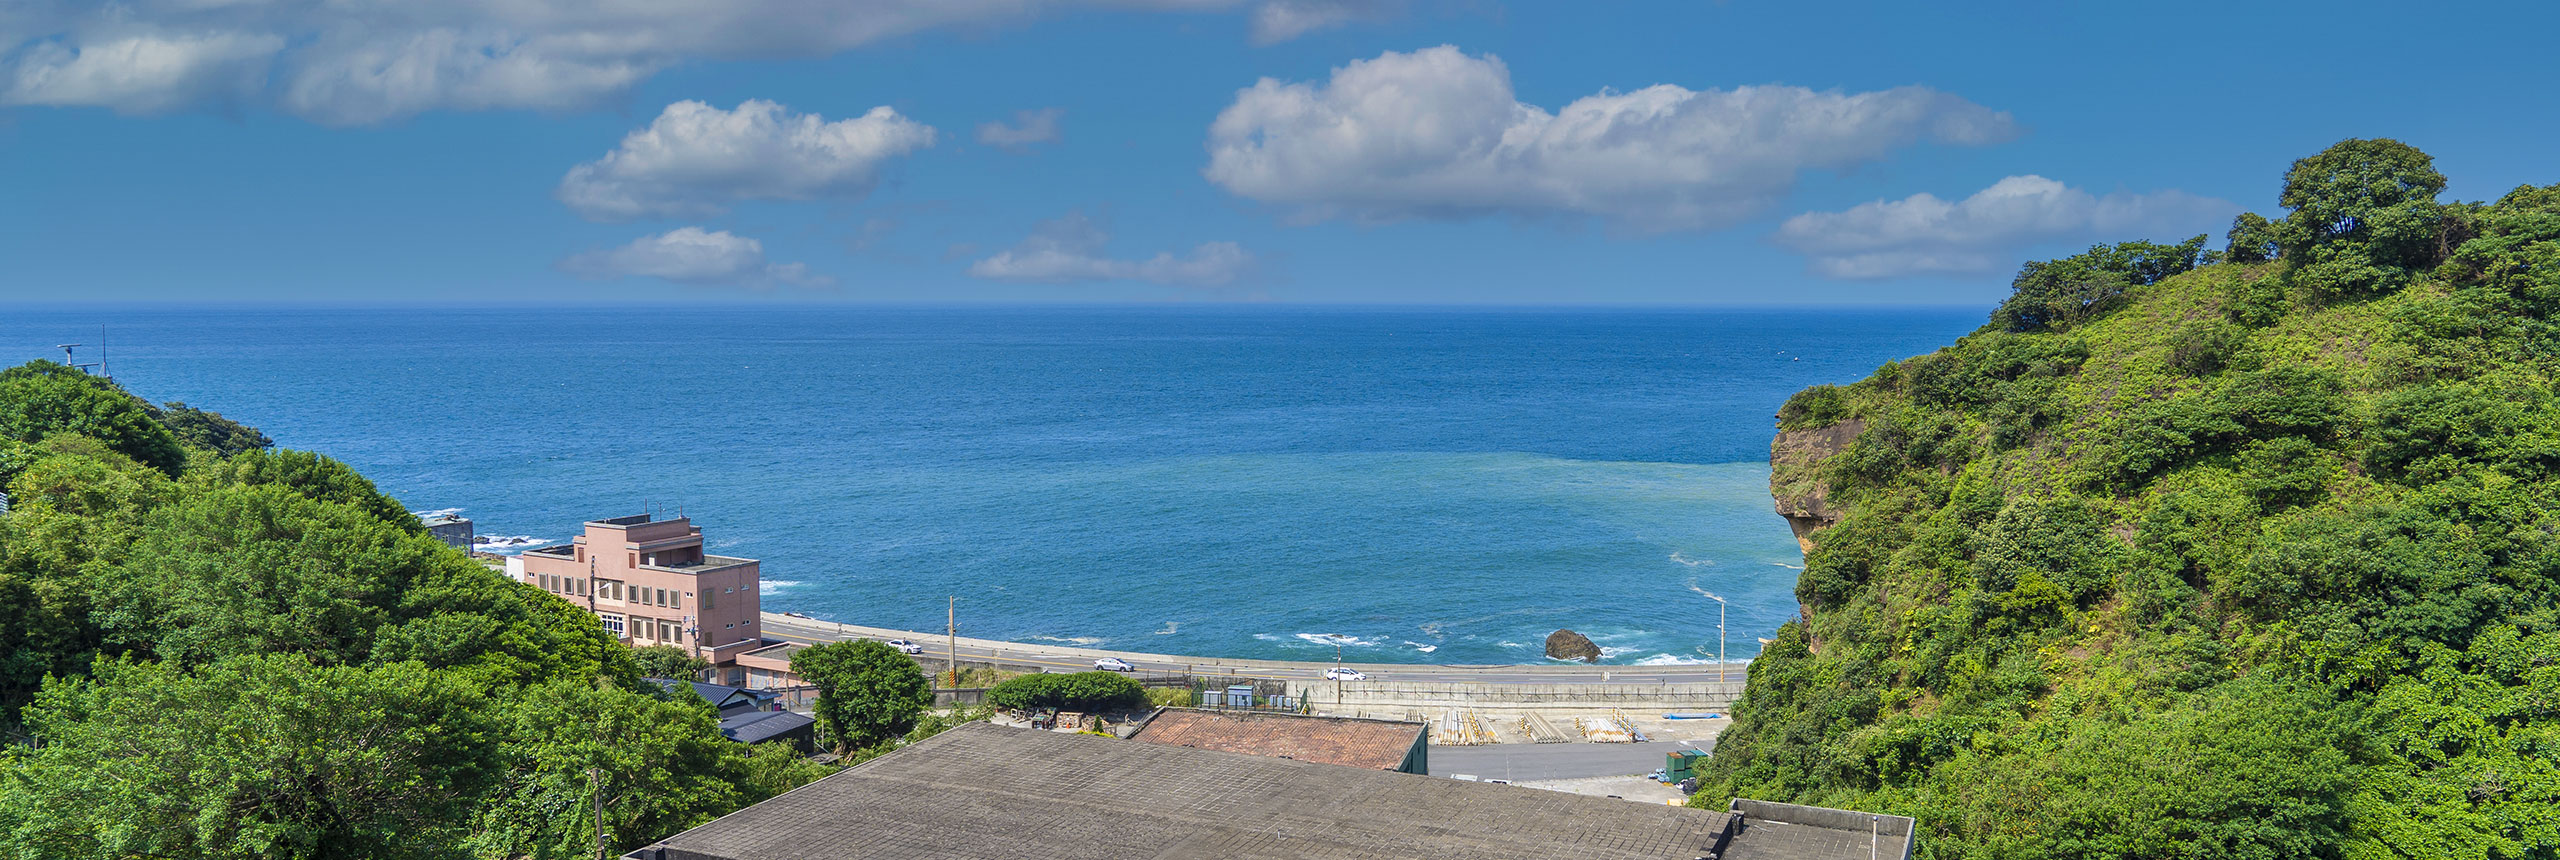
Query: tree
point(668, 661)
point(658, 766)
point(868, 693)
point(253, 757)
point(315, 477)
point(2364, 217)
point(209, 431)
point(2056, 294)
point(2252, 239)
point(41, 398)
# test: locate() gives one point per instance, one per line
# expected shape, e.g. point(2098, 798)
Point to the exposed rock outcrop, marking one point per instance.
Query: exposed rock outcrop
point(1800, 492)
point(1568, 645)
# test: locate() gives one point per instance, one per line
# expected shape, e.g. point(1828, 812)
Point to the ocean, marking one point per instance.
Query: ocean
point(1422, 486)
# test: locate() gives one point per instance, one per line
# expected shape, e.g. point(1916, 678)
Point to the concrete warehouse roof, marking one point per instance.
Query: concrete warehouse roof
point(985, 792)
point(1378, 744)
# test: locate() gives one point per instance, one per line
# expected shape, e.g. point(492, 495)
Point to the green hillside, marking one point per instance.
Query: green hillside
point(2187, 553)
point(213, 649)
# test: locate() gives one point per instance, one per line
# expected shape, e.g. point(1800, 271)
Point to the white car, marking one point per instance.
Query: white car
point(1114, 664)
point(905, 646)
point(1338, 673)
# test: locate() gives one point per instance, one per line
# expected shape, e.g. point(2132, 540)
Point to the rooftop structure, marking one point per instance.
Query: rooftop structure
point(454, 529)
point(1356, 742)
point(985, 791)
point(650, 582)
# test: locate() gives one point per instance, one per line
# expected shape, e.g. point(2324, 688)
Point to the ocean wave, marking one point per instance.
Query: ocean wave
point(439, 512)
point(1330, 639)
point(1170, 627)
point(1512, 644)
point(1674, 660)
point(1422, 647)
point(1607, 652)
point(506, 544)
point(1685, 561)
point(771, 586)
point(1072, 640)
point(1788, 566)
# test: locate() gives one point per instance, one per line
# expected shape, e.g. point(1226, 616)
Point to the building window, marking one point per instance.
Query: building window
point(612, 622)
point(675, 600)
point(706, 598)
point(635, 559)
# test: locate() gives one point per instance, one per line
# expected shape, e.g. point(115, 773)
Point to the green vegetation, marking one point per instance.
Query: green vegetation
point(1080, 691)
point(869, 694)
point(668, 661)
point(2250, 554)
point(212, 649)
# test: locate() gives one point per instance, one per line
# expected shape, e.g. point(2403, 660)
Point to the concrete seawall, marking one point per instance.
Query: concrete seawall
point(1387, 696)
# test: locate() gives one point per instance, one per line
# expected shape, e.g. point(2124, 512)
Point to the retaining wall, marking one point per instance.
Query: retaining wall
point(1388, 695)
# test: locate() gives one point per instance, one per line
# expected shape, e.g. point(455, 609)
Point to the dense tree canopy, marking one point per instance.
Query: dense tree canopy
point(211, 649)
point(2252, 560)
point(868, 692)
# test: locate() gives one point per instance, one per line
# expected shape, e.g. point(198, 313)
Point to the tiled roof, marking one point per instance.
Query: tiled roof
point(1379, 744)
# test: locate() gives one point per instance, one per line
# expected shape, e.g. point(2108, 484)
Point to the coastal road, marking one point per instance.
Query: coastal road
point(793, 628)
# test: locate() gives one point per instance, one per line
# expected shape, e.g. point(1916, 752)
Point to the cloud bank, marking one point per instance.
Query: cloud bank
point(697, 160)
point(1440, 134)
point(351, 63)
point(1980, 234)
point(691, 255)
point(1068, 249)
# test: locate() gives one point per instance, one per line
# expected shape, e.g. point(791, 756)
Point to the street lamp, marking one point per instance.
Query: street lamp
point(1721, 606)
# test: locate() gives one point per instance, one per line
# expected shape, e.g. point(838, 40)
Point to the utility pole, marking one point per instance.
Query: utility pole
point(951, 620)
point(1721, 606)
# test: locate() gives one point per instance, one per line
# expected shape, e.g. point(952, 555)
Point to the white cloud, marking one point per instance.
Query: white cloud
point(1282, 20)
point(1923, 234)
point(1439, 134)
point(142, 74)
point(691, 255)
point(697, 160)
point(1029, 127)
point(1068, 249)
point(343, 62)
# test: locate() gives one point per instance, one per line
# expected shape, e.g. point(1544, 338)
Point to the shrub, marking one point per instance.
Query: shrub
point(1081, 691)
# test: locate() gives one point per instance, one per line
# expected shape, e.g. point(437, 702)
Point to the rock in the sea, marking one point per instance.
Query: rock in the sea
point(1568, 645)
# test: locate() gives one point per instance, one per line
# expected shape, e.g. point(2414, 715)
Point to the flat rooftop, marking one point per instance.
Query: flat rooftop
point(1377, 744)
point(983, 791)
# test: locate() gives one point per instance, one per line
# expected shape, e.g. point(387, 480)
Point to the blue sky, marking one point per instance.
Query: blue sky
point(1401, 151)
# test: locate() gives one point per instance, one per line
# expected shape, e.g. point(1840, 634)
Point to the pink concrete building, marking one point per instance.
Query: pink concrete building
point(650, 583)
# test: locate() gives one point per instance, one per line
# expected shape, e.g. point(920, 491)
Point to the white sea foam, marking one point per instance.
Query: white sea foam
point(771, 586)
point(1686, 561)
point(1169, 628)
point(1511, 645)
point(1422, 647)
point(1337, 639)
point(1071, 640)
point(1673, 660)
point(439, 512)
point(1607, 652)
point(1788, 566)
point(506, 544)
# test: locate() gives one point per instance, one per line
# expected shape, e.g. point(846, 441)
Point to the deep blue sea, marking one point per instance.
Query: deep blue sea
point(1444, 486)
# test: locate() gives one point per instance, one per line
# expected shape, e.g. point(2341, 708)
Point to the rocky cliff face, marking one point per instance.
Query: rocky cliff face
point(1802, 497)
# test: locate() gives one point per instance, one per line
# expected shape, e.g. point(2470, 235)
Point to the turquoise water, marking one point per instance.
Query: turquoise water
point(1415, 485)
